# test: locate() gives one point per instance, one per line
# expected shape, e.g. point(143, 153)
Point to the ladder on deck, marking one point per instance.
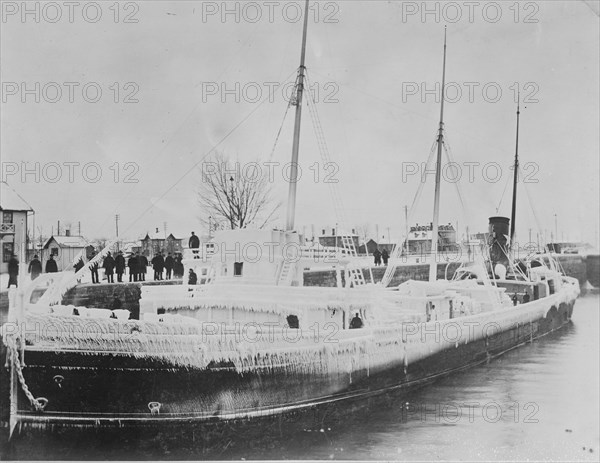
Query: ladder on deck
point(355, 274)
point(285, 273)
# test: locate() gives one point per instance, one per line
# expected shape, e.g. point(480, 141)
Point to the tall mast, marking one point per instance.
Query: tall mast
point(438, 168)
point(513, 214)
point(291, 209)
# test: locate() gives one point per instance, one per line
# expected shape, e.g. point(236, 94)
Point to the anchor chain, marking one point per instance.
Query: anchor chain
point(40, 403)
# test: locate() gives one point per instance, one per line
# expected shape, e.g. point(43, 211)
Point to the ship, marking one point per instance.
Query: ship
point(251, 341)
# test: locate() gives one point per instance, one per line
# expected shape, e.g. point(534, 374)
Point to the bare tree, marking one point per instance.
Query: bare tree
point(235, 196)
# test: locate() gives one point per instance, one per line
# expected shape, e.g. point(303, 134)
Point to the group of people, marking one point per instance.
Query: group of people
point(138, 264)
point(378, 256)
point(35, 268)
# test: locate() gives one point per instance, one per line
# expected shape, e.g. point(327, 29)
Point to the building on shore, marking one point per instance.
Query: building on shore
point(335, 240)
point(156, 242)
point(369, 247)
point(13, 227)
point(419, 238)
point(65, 249)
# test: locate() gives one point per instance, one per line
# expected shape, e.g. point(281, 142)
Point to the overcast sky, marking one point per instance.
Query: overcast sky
point(179, 78)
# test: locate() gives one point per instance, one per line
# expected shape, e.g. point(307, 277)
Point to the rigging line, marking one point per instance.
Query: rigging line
point(503, 193)
point(537, 221)
point(399, 248)
point(197, 163)
point(289, 105)
point(382, 100)
point(185, 121)
point(450, 159)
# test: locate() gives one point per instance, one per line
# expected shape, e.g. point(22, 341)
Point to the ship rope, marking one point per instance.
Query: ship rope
point(399, 248)
point(289, 105)
point(13, 352)
point(348, 246)
point(450, 158)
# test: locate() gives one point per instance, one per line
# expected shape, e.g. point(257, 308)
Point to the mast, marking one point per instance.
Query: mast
point(291, 209)
point(513, 214)
point(438, 165)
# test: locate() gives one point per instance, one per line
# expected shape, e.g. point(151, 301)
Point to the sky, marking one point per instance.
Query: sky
point(114, 108)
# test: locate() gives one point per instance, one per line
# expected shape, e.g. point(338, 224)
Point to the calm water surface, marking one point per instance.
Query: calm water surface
point(537, 402)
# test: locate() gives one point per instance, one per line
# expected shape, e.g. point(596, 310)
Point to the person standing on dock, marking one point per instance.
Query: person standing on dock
point(120, 266)
point(109, 267)
point(132, 263)
point(35, 267)
point(385, 256)
point(142, 266)
point(178, 266)
point(169, 263)
point(94, 270)
point(377, 256)
point(51, 265)
point(13, 271)
point(158, 263)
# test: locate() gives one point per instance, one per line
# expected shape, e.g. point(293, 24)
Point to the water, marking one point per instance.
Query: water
point(537, 402)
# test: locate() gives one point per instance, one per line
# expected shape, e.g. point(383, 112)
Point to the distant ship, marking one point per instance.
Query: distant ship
point(252, 341)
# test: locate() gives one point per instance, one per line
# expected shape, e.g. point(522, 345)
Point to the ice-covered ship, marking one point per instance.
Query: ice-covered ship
point(251, 341)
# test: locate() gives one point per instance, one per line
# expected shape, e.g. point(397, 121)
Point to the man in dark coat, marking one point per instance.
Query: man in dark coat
point(178, 267)
point(193, 278)
point(51, 265)
point(13, 271)
point(169, 263)
point(385, 255)
point(377, 256)
point(120, 266)
point(142, 266)
point(158, 263)
point(194, 242)
point(94, 270)
point(35, 267)
point(133, 265)
point(109, 267)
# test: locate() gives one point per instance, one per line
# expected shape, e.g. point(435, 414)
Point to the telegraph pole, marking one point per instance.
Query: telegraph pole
point(117, 217)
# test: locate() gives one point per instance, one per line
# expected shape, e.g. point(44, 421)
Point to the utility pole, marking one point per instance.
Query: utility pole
point(165, 229)
point(556, 226)
point(117, 217)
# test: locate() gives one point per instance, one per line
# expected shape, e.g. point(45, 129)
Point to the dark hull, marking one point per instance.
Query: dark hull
point(593, 269)
point(106, 391)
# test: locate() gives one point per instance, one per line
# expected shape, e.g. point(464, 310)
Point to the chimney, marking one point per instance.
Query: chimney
point(67, 232)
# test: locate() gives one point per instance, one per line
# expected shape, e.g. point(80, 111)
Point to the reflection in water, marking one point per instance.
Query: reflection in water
point(539, 401)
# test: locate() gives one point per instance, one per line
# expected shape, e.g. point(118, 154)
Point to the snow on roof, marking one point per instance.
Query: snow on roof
point(157, 234)
point(68, 241)
point(10, 200)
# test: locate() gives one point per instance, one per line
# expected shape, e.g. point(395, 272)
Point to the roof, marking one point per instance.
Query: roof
point(158, 235)
point(68, 241)
point(10, 200)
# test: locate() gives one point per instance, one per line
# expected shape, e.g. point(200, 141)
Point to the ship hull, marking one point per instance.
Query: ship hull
point(114, 391)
